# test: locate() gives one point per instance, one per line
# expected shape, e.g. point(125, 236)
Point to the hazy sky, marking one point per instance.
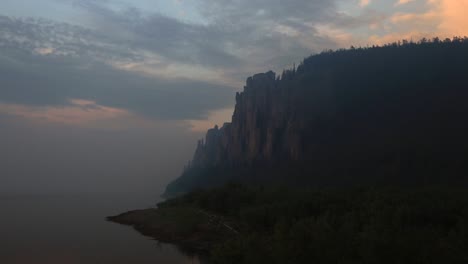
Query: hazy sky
point(111, 95)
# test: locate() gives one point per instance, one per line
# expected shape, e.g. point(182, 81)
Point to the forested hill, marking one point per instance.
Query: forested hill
point(391, 114)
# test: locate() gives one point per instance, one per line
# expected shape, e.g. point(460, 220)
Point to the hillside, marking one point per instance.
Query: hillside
point(244, 224)
point(375, 115)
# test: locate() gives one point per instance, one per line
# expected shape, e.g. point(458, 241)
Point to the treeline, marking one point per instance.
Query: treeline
point(391, 119)
point(435, 42)
point(387, 114)
point(280, 225)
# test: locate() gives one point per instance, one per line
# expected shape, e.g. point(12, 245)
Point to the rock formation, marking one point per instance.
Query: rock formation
point(393, 113)
point(262, 128)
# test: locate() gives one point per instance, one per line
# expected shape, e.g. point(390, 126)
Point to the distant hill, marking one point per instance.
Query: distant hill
point(396, 114)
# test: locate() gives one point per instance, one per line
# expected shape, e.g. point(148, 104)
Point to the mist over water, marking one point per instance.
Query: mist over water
point(71, 229)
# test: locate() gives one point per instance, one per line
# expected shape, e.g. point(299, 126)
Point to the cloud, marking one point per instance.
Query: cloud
point(403, 2)
point(44, 51)
point(364, 3)
point(340, 36)
point(78, 113)
point(165, 68)
point(241, 37)
point(154, 65)
point(299, 10)
point(415, 18)
point(45, 64)
point(366, 18)
point(105, 98)
point(454, 18)
point(167, 37)
point(434, 18)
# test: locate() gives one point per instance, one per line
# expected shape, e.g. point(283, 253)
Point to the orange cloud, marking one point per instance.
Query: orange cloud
point(415, 18)
point(394, 37)
point(454, 13)
point(445, 18)
point(340, 36)
point(403, 2)
point(364, 3)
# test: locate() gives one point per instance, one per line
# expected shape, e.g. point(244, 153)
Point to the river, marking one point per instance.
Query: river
point(68, 229)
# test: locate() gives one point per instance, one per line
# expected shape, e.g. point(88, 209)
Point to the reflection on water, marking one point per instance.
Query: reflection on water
point(72, 229)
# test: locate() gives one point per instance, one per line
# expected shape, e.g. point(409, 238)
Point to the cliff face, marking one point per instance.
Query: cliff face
point(263, 128)
point(394, 112)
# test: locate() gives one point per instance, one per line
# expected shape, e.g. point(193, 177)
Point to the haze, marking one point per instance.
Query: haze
point(111, 95)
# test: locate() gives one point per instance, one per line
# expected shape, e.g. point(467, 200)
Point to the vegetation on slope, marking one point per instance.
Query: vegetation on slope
point(337, 226)
point(376, 114)
point(389, 119)
point(187, 226)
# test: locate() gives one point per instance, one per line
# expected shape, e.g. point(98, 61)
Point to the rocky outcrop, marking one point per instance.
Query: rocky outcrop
point(359, 116)
point(263, 128)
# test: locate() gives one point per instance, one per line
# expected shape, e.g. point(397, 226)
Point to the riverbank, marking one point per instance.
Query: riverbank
point(238, 224)
point(188, 227)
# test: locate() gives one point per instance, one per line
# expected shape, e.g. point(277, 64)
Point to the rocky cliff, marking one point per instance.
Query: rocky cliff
point(359, 115)
point(263, 128)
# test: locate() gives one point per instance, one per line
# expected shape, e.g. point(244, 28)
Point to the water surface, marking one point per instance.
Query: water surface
point(70, 229)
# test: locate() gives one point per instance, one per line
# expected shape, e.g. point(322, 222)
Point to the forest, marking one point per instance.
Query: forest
point(392, 114)
point(358, 225)
point(355, 156)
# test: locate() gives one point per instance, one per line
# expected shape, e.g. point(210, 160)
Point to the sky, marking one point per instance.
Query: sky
point(111, 95)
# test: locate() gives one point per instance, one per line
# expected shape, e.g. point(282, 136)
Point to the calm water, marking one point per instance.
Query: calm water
point(72, 229)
